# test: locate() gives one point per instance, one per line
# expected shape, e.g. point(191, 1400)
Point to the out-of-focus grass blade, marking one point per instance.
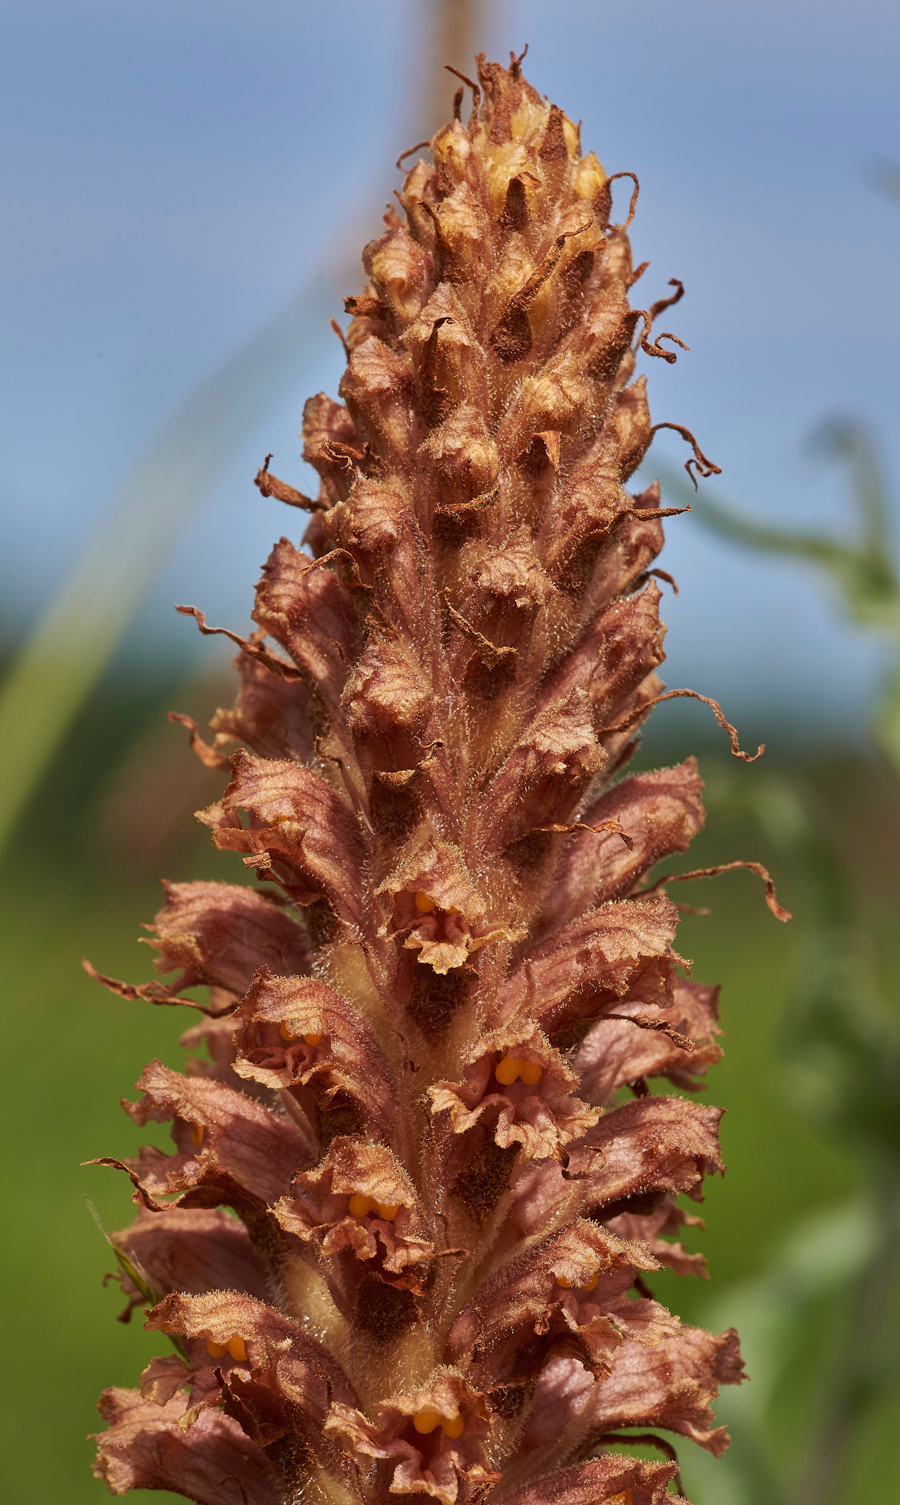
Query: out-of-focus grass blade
point(861, 570)
point(65, 657)
point(62, 661)
point(819, 1263)
point(842, 439)
point(886, 176)
point(886, 720)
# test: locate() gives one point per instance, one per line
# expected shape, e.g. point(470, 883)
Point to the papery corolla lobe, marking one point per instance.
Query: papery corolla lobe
point(615, 1052)
point(229, 1149)
point(312, 614)
point(571, 1286)
point(611, 658)
point(378, 527)
point(540, 1117)
point(649, 1146)
point(661, 811)
point(617, 952)
point(216, 1035)
point(544, 776)
point(388, 703)
point(671, 1385)
point(449, 1469)
point(328, 1206)
point(666, 1217)
point(628, 1162)
point(377, 387)
point(329, 436)
point(608, 1480)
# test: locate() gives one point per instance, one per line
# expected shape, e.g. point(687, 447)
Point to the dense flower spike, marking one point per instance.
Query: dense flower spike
point(402, 1241)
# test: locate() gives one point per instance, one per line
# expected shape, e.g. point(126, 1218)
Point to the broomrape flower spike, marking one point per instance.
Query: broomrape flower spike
point(418, 1186)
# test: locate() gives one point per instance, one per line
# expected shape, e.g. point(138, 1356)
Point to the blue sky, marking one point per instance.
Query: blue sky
point(172, 174)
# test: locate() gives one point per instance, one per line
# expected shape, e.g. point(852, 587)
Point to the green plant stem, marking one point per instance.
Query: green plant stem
point(824, 1476)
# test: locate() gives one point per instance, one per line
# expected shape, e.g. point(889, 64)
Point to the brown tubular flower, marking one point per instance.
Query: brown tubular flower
point(401, 1243)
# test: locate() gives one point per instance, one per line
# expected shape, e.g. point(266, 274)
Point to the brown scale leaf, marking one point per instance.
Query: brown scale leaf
point(144, 1447)
point(620, 951)
point(343, 1069)
point(661, 812)
point(300, 828)
point(221, 934)
point(228, 1148)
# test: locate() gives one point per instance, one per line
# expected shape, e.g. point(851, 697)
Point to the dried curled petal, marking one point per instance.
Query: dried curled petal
point(229, 1149)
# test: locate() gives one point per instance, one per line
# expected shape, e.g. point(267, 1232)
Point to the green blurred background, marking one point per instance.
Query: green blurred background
point(743, 120)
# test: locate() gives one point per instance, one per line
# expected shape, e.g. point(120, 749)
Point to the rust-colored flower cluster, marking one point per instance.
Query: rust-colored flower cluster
point(420, 1182)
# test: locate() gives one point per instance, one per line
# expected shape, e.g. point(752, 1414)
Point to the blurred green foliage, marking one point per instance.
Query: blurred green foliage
point(859, 566)
point(819, 1324)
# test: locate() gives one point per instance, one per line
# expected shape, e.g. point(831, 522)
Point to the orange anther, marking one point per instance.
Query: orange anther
point(453, 1428)
point(359, 1205)
point(425, 903)
point(197, 1135)
point(388, 1210)
point(511, 1068)
point(426, 1421)
point(590, 1285)
point(216, 1350)
point(286, 1032)
point(237, 1347)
